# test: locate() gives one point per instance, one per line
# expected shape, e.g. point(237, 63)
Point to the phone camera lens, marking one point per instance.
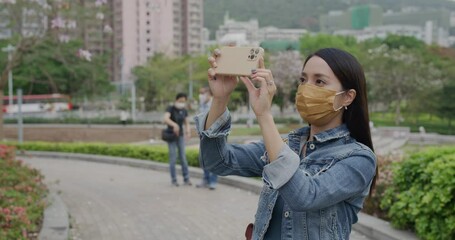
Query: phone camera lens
point(257, 51)
point(252, 51)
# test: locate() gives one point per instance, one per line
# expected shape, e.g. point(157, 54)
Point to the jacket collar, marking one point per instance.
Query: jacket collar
point(334, 133)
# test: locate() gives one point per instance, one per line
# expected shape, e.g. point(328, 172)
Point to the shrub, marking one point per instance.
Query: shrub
point(422, 196)
point(22, 197)
point(383, 181)
point(152, 153)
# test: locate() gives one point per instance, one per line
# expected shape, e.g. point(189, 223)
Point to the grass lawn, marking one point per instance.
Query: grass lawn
point(431, 123)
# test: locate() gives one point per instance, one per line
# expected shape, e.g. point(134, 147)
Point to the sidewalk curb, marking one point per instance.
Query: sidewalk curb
point(368, 225)
point(56, 219)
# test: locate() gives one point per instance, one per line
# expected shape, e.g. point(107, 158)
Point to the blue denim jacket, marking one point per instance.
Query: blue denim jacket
point(323, 192)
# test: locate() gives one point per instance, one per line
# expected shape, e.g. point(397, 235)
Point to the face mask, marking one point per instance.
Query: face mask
point(315, 104)
point(202, 98)
point(180, 105)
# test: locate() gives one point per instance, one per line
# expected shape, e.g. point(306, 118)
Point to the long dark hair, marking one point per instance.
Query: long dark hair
point(350, 73)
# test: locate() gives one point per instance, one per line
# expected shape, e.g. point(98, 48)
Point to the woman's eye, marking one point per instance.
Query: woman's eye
point(302, 80)
point(319, 82)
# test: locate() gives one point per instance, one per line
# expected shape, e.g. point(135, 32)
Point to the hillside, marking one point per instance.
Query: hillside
point(295, 13)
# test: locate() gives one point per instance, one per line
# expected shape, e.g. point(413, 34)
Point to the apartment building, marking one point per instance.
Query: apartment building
point(143, 28)
point(188, 26)
point(30, 22)
point(355, 18)
point(249, 33)
point(238, 31)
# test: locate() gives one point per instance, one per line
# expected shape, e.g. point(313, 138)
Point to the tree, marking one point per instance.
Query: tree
point(162, 77)
point(394, 77)
point(446, 106)
point(311, 43)
point(27, 22)
point(286, 67)
point(52, 67)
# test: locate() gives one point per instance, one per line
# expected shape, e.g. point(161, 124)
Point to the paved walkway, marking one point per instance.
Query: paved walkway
point(108, 201)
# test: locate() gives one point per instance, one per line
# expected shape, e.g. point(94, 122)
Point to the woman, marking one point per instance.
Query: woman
point(175, 117)
point(317, 178)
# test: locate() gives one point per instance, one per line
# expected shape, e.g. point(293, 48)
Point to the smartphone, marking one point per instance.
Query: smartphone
point(238, 61)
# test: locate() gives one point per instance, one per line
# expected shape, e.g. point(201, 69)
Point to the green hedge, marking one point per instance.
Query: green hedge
point(152, 153)
point(422, 196)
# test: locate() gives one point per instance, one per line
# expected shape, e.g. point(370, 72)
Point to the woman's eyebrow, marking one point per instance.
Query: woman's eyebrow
point(304, 74)
point(321, 75)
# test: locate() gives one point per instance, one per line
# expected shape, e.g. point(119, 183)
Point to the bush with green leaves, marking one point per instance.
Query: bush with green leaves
point(422, 196)
point(22, 197)
point(157, 153)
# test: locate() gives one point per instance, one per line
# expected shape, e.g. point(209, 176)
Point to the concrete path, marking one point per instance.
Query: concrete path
point(108, 201)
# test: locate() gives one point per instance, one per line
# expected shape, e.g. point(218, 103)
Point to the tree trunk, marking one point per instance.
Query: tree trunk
point(398, 107)
point(398, 113)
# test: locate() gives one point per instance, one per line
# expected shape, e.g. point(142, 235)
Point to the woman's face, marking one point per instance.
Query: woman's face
point(317, 72)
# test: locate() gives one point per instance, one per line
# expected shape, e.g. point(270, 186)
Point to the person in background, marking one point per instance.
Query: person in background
point(317, 177)
point(176, 118)
point(123, 117)
point(209, 180)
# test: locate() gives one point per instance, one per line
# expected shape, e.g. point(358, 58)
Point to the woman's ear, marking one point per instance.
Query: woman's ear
point(349, 97)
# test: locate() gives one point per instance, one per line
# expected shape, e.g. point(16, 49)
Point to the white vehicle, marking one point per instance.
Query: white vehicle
point(38, 103)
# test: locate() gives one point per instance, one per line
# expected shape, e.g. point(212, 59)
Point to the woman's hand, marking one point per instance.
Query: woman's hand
point(176, 129)
point(220, 85)
point(260, 97)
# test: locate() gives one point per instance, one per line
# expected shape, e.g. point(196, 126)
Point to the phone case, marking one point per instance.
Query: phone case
point(238, 61)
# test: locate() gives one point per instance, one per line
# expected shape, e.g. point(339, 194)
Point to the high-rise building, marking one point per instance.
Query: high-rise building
point(29, 22)
point(143, 28)
point(357, 17)
point(188, 26)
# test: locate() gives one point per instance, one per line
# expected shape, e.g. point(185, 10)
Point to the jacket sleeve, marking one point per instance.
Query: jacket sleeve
point(222, 158)
point(347, 178)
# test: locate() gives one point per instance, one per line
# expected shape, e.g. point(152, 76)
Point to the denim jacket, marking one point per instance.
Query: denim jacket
point(322, 192)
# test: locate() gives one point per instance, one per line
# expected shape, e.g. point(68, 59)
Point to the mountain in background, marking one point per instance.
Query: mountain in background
point(296, 13)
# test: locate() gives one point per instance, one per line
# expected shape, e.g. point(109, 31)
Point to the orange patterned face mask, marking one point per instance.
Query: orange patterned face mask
point(315, 104)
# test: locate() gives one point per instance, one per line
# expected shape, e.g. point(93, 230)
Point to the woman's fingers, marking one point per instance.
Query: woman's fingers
point(249, 85)
point(212, 62)
point(216, 53)
point(212, 59)
point(211, 74)
point(261, 62)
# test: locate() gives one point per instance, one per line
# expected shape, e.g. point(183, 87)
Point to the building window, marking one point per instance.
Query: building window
point(148, 40)
point(148, 22)
point(148, 13)
point(148, 31)
point(148, 49)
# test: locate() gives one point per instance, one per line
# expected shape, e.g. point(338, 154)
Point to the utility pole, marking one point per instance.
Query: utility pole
point(190, 87)
point(9, 49)
point(133, 101)
point(20, 124)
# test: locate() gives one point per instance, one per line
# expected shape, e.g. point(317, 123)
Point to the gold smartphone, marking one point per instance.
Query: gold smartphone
point(238, 61)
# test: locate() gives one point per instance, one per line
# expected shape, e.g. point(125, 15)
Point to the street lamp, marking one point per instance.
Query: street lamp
point(9, 49)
